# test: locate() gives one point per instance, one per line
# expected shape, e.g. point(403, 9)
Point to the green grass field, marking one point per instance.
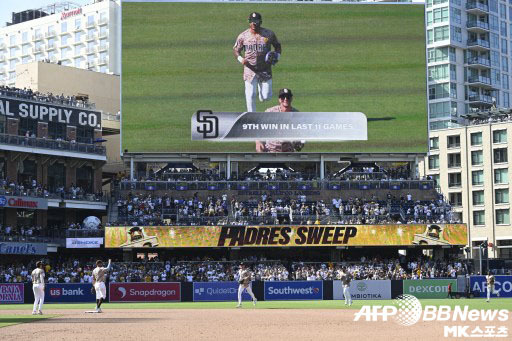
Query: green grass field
point(177, 58)
point(7, 319)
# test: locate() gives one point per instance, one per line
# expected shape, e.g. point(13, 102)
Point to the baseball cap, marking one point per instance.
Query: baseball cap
point(285, 92)
point(254, 16)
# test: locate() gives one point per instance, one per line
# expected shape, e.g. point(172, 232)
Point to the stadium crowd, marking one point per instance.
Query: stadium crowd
point(47, 97)
point(74, 270)
point(33, 188)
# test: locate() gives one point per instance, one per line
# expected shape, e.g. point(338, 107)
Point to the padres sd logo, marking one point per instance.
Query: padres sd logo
point(361, 286)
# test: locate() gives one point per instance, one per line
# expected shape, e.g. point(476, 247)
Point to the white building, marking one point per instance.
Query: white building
point(86, 37)
point(471, 165)
point(468, 56)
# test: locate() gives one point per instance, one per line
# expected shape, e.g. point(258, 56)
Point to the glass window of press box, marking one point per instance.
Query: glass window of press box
point(85, 178)
point(56, 176)
point(27, 171)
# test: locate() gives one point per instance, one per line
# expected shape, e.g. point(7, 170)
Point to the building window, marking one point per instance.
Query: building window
point(456, 33)
point(64, 40)
point(56, 176)
point(56, 130)
point(441, 54)
point(454, 141)
point(502, 217)
point(27, 125)
point(500, 155)
point(499, 136)
point(435, 177)
point(85, 178)
point(433, 162)
point(90, 20)
point(456, 199)
point(438, 34)
point(501, 176)
point(477, 158)
point(64, 27)
point(501, 196)
point(504, 65)
point(434, 143)
point(478, 197)
point(439, 72)
point(478, 217)
point(476, 139)
point(453, 160)
point(455, 15)
point(436, 91)
point(442, 109)
point(503, 250)
point(77, 23)
point(454, 180)
point(477, 177)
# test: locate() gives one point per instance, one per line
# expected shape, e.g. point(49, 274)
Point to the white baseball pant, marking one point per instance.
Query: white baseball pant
point(264, 92)
point(490, 290)
point(38, 296)
point(241, 288)
point(101, 290)
point(346, 293)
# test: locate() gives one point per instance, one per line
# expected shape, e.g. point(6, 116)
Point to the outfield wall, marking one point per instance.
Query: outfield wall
point(12, 293)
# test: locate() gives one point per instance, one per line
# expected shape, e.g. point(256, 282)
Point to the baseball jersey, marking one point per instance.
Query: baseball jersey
point(490, 280)
point(280, 146)
point(346, 279)
point(244, 275)
point(255, 47)
point(38, 276)
point(99, 274)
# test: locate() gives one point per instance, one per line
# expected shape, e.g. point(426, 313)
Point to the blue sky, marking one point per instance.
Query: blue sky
point(9, 6)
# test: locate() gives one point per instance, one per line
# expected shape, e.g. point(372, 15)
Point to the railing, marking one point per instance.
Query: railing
point(479, 79)
point(477, 24)
point(41, 99)
point(479, 42)
point(480, 98)
point(72, 233)
point(105, 116)
point(33, 142)
point(481, 61)
point(477, 5)
point(51, 236)
point(34, 193)
point(276, 185)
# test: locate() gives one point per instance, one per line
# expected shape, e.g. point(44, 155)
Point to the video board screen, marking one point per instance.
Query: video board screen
point(356, 74)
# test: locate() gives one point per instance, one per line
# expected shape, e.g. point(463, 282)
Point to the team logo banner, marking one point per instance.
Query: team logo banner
point(293, 235)
point(297, 290)
point(11, 293)
point(283, 126)
point(69, 292)
point(502, 285)
point(364, 290)
point(429, 288)
point(49, 112)
point(145, 292)
point(218, 291)
point(83, 243)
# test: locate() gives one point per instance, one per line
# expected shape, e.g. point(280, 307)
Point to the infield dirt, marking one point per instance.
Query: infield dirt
point(223, 324)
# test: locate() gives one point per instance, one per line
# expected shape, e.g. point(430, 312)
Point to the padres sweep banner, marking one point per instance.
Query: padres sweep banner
point(293, 235)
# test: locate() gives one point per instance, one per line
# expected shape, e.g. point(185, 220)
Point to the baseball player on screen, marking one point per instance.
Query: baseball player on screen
point(490, 286)
point(346, 278)
point(285, 105)
point(99, 275)
point(257, 60)
point(38, 288)
point(244, 279)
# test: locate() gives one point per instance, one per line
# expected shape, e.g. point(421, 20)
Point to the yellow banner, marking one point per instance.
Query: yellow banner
point(292, 235)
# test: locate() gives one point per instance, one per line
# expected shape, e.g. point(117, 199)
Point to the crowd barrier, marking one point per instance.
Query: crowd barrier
point(268, 291)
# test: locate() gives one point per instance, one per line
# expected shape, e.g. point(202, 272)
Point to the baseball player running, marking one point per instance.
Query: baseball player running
point(490, 286)
point(244, 278)
point(346, 278)
point(38, 288)
point(285, 105)
point(257, 60)
point(98, 281)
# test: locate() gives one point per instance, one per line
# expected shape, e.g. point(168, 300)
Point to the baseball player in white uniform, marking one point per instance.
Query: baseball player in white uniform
point(38, 288)
point(346, 278)
point(244, 278)
point(99, 275)
point(490, 286)
point(257, 60)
